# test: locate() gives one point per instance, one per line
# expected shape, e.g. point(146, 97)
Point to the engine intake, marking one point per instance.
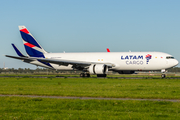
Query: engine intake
point(98, 69)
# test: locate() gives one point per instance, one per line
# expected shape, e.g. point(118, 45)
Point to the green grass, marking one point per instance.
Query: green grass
point(142, 75)
point(92, 87)
point(22, 108)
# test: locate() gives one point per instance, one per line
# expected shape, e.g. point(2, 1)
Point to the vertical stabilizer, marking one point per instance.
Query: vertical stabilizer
point(32, 47)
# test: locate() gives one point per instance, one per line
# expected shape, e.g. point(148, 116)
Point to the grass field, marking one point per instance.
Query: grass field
point(46, 108)
point(19, 108)
point(92, 87)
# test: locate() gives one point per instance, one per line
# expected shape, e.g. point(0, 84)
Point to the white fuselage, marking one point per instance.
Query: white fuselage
point(120, 60)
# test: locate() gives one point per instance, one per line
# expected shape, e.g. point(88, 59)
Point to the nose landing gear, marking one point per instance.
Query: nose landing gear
point(163, 73)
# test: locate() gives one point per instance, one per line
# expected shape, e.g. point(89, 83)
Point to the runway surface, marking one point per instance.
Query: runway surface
point(92, 77)
point(90, 98)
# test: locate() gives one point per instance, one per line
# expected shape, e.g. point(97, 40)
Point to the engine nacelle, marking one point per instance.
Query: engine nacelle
point(126, 72)
point(98, 69)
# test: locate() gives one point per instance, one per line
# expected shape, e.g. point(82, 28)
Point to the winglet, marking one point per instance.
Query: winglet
point(107, 49)
point(17, 51)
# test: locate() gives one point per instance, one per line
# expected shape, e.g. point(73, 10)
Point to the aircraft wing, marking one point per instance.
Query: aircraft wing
point(18, 51)
point(76, 64)
point(72, 62)
point(22, 58)
point(15, 57)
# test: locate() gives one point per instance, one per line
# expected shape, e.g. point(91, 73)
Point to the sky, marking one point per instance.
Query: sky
point(90, 26)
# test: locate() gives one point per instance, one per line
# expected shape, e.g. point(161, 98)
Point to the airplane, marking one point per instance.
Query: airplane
point(98, 63)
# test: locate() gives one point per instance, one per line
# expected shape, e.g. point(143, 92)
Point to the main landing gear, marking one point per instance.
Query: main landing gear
point(84, 75)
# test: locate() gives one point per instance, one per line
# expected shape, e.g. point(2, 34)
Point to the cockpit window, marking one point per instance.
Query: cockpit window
point(169, 57)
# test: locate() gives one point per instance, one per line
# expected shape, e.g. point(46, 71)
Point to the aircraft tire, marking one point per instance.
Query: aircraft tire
point(87, 75)
point(163, 75)
point(82, 75)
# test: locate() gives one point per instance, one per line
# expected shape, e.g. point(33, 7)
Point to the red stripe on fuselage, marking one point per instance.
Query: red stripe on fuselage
point(25, 31)
point(29, 45)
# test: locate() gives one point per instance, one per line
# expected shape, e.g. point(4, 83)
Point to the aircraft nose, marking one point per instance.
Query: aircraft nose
point(176, 62)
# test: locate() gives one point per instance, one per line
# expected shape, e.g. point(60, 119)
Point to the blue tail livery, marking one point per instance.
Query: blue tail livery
point(32, 47)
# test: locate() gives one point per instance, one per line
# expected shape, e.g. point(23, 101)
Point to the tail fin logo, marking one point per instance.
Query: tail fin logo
point(148, 57)
point(24, 30)
point(32, 47)
point(29, 45)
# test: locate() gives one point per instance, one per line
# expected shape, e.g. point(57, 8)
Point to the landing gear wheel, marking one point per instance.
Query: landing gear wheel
point(87, 75)
point(163, 75)
point(82, 75)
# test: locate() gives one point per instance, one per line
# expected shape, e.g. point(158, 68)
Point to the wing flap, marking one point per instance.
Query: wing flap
point(61, 61)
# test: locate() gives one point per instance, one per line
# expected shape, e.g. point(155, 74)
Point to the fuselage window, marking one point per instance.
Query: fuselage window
point(169, 57)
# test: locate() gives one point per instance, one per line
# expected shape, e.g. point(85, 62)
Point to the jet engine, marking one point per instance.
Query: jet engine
point(98, 69)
